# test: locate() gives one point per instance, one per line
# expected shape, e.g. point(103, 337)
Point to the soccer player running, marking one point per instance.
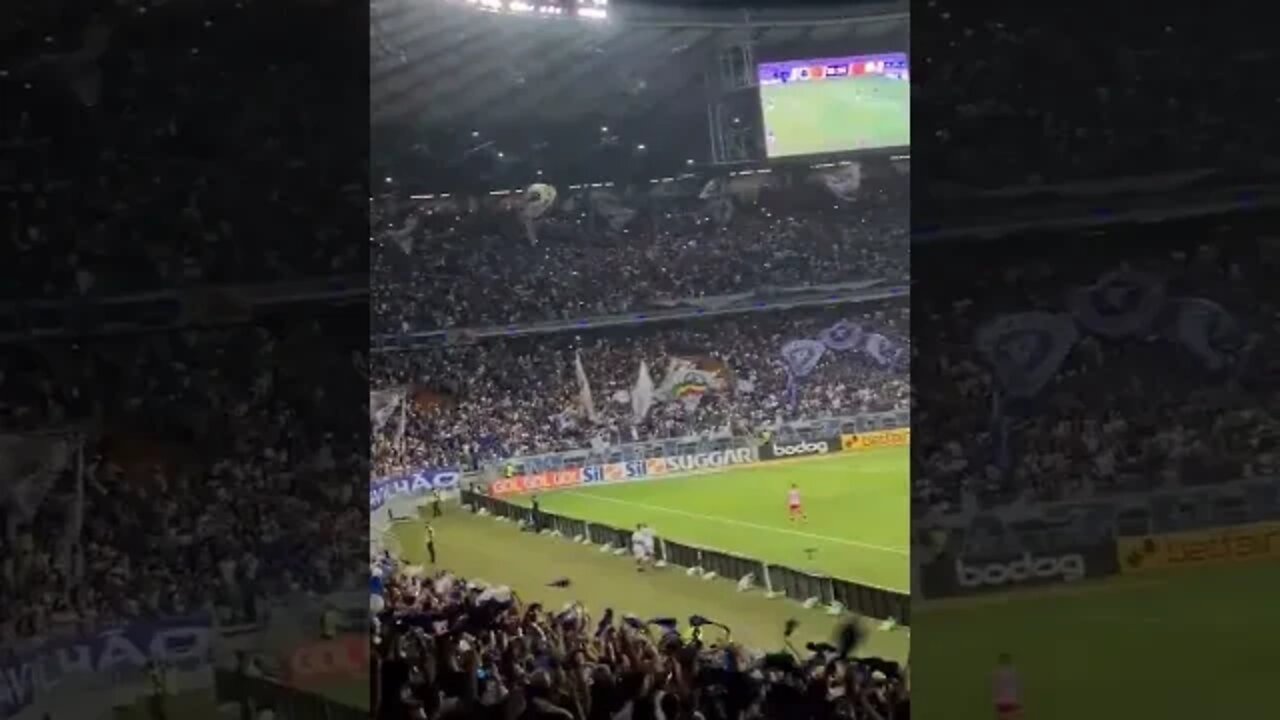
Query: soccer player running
point(795, 509)
point(1005, 689)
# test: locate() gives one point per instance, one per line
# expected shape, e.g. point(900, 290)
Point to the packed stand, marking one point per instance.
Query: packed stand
point(446, 648)
point(1120, 415)
point(191, 442)
point(515, 396)
point(477, 266)
point(1050, 94)
point(109, 186)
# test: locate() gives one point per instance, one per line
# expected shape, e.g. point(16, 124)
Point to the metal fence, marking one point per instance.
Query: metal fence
point(795, 584)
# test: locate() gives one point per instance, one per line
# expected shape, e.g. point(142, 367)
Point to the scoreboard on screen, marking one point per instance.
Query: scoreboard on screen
point(835, 105)
point(891, 65)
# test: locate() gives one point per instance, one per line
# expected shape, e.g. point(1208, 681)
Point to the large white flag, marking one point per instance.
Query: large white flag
point(642, 393)
point(29, 467)
point(382, 404)
point(584, 387)
point(686, 381)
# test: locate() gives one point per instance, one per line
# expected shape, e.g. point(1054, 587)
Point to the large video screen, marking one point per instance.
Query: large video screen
point(833, 105)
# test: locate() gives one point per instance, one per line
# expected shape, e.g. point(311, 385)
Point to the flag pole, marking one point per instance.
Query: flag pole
point(77, 557)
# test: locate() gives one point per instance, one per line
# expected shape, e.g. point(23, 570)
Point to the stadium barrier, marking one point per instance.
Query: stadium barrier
point(285, 702)
point(790, 432)
point(1204, 547)
point(795, 584)
point(951, 574)
point(854, 442)
point(1131, 532)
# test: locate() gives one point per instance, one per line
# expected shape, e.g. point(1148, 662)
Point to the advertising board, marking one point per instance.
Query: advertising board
point(776, 450)
point(950, 575)
point(416, 484)
point(877, 439)
point(1193, 549)
point(621, 472)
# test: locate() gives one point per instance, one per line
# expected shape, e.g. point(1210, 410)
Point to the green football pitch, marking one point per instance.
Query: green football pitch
point(1171, 645)
point(836, 115)
point(857, 530)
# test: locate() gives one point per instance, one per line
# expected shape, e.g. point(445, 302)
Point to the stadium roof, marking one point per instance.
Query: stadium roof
point(442, 63)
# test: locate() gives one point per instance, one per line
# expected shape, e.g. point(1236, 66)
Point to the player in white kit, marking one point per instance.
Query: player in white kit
point(1006, 692)
point(794, 508)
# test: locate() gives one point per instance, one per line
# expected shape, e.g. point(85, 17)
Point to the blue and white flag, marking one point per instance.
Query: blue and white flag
point(842, 336)
point(881, 349)
point(1120, 304)
point(1026, 350)
point(1206, 329)
point(802, 356)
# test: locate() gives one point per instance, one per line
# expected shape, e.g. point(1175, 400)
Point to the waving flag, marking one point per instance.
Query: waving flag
point(881, 349)
point(842, 336)
point(802, 356)
point(29, 467)
point(382, 404)
point(1206, 329)
point(642, 393)
point(584, 387)
point(1120, 304)
point(1026, 350)
point(844, 181)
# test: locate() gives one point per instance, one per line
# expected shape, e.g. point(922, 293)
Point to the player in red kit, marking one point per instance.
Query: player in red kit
point(1006, 691)
point(794, 508)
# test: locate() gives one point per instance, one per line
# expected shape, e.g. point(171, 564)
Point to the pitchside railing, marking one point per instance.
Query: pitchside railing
point(799, 585)
point(286, 703)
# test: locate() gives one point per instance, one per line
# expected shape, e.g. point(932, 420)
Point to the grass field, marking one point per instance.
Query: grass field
point(829, 116)
point(857, 508)
point(1171, 645)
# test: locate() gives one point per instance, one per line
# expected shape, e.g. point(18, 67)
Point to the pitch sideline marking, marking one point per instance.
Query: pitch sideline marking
point(740, 523)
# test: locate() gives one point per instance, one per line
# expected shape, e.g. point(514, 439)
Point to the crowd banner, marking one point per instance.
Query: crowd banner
point(417, 484)
point(856, 597)
point(112, 662)
point(853, 442)
point(779, 449)
point(1195, 549)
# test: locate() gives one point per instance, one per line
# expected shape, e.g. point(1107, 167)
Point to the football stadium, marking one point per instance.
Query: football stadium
point(639, 386)
point(852, 531)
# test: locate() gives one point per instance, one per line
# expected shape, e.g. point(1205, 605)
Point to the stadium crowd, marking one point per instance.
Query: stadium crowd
point(89, 119)
point(519, 395)
point(190, 442)
point(1026, 97)
point(469, 267)
point(447, 648)
point(115, 181)
point(1120, 415)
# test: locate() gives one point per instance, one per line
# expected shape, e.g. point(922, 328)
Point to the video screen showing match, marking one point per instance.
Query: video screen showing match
point(833, 105)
